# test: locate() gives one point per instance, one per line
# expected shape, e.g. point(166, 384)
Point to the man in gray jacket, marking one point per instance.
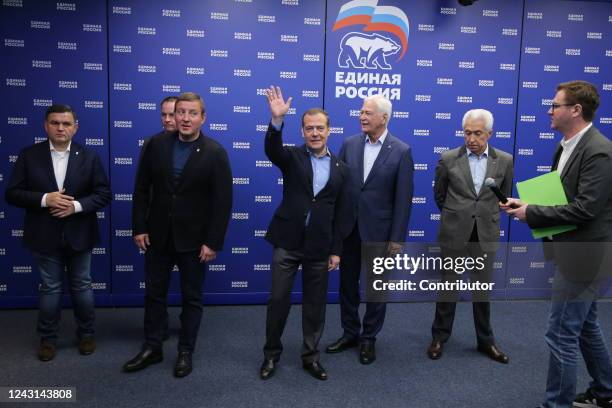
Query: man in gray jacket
point(469, 224)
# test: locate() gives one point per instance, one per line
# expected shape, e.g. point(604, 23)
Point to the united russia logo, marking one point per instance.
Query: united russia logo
point(370, 47)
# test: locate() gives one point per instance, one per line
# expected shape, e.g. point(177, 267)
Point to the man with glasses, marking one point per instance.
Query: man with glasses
point(181, 208)
point(584, 161)
point(305, 230)
point(61, 185)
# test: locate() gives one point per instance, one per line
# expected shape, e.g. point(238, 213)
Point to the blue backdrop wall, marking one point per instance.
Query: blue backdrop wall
point(115, 60)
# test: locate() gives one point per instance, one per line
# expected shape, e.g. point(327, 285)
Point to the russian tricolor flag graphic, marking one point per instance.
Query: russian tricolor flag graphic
point(375, 18)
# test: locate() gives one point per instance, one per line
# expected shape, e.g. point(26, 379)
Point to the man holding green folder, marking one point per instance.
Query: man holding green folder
point(584, 161)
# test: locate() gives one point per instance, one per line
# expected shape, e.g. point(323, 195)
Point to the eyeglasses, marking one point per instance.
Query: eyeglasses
point(558, 105)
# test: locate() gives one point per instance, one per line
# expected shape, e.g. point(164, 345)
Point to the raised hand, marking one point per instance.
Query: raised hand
point(278, 106)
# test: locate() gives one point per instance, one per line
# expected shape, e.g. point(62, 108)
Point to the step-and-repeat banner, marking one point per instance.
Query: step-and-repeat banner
point(562, 40)
point(51, 53)
point(114, 61)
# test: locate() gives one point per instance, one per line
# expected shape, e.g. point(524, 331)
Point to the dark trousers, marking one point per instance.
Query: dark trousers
point(350, 270)
point(158, 266)
point(285, 265)
point(445, 310)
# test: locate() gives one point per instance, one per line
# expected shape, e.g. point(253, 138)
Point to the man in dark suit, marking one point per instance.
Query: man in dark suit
point(181, 209)
point(167, 113)
point(61, 185)
point(584, 161)
point(381, 191)
point(168, 124)
point(305, 230)
point(469, 224)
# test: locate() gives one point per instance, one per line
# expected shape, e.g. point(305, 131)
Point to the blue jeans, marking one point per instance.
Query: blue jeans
point(51, 268)
point(573, 325)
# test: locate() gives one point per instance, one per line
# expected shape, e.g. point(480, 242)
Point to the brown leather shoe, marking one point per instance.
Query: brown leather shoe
point(434, 351)
point(46, 351)
point(87, 345)
point(494, 353)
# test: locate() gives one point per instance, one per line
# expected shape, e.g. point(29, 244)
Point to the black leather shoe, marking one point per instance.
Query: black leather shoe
point(316, 370)
point(494, 353)
point(340, 345)
point(267, 368)
point(183, 366)
point(434, 351)
point(367, 353)
point(144, 359)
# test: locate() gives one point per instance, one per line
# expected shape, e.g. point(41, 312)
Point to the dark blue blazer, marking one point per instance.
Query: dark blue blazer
point(323, 236)
point(381, 204)
point(86, 181)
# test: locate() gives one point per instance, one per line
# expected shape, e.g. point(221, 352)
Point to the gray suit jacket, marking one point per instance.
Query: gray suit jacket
point(459, 204)
point(584, 254)
point(587, 181)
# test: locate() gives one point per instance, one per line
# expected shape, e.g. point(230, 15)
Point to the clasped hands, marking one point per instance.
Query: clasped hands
point(60, 205)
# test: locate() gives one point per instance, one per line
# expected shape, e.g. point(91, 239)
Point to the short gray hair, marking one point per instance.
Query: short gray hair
point(479, 114)
point(383, 104)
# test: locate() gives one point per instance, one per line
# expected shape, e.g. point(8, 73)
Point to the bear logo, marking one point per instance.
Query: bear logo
point(369, 51)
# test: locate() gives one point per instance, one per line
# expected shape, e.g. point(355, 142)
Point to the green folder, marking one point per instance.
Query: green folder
point(544, 190)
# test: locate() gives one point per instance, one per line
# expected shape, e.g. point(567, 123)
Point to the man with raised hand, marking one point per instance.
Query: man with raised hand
point(305, 230)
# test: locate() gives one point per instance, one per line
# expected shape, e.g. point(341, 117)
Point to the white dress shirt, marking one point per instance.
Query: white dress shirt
point(370, 153)
point(569, 146)
point(60, 165)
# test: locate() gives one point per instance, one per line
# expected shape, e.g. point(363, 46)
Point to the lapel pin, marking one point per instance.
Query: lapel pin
point(198, 149)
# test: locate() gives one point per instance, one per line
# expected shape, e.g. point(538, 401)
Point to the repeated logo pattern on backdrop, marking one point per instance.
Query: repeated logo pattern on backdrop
point(51, 52)
point(114, 62)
